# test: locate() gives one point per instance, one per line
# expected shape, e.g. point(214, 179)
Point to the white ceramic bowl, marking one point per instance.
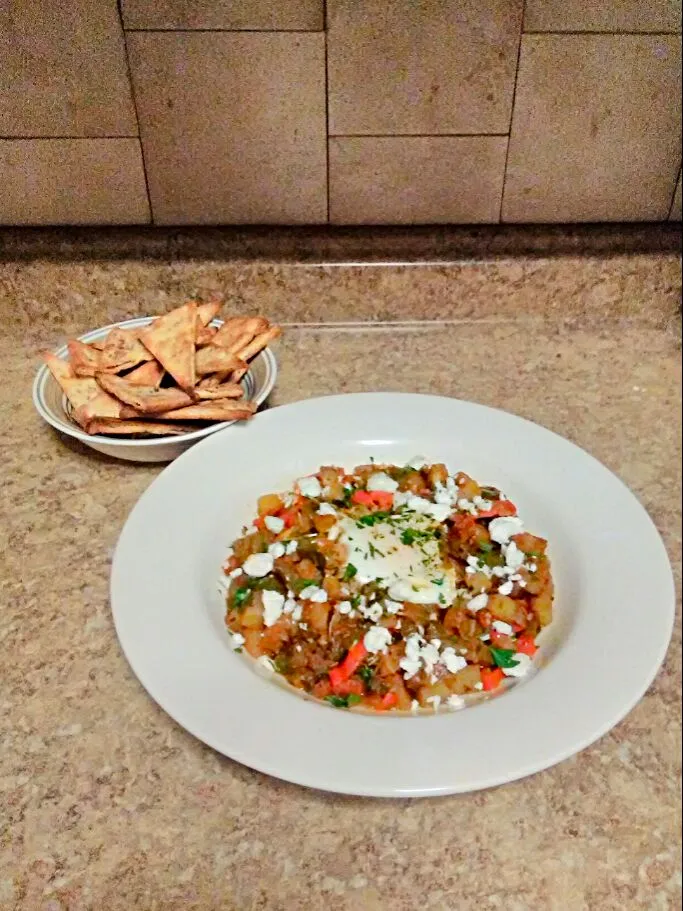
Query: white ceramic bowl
point(51, 404)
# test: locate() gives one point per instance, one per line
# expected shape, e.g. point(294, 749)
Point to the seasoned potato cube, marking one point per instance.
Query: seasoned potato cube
point(269, 504)
point(542, 606)
point(252, 615)
point(437, 474)
point(506, 609)
point(465, 680)
point(440, 689)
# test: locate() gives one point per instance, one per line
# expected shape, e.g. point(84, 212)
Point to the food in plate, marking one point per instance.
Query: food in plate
point(389, 587)
point(179, 368)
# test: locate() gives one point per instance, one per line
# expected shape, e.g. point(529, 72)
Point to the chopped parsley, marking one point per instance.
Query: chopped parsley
point(298, 585)
point(486, 547)
point(366, 674)
point(411, 535)
point(343, 702)
point(374, 552)
point(438, 581)
point(349, 572)
point(373, 518)
point(241, 596)
point(504, 657)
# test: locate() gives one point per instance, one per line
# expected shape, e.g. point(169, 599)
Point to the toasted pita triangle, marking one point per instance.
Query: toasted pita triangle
point(85, 359)
point(102, 405)
point(137, 428)
point(222, 410)
point(147, 399)
point(149, 374)
point(221, 391)
point(204, 334)
point(216, 360)
point(122, 350)
point(171, 340)
point(78, 390)
point(208, 311)
point(259, 343)
point(239, 331)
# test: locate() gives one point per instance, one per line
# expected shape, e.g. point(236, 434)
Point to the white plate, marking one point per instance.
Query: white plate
point(614, 606)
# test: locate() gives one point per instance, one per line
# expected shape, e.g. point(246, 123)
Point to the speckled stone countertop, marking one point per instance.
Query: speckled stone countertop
point(106, 804)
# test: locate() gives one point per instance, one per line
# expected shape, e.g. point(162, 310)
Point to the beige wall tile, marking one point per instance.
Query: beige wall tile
point(603, 16)
point(228, 14)
point(72, 182)
point(233, 126)
point(416, 180)
point(675, 213)
point(63, 70)
point(596, 130)
point(401, 67)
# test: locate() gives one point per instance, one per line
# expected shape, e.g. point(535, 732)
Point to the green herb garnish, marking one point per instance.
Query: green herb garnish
point(373, 518)
point(485, 547)
point(411, 535)
point(349, 572)
point(374, 552)
point(504, 657)
point(343, 702)
point(241, 596)
point(298, 585)
point(366, 674)
point(438, 581)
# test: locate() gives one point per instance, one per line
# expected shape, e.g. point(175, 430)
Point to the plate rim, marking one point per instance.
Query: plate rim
point(598, 731)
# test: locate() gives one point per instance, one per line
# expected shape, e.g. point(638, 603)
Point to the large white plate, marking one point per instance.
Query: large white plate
point(614, 607)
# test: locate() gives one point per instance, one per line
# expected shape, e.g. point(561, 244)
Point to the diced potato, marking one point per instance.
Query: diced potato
point(332, 586)
point(530, 544)
point(389, 662)
point(440, 689)
point(269, 504)
point(274, 637)
point(252, 615)
point(479, 582)
point(467, 487)
point(330, 479)
point(252, 643)
point(437, 474)
point(465, 680)
point(323, 523)
point(412, 482)
point(506, 609)
point(542, 606)
point(250, 544)
point(317, 617)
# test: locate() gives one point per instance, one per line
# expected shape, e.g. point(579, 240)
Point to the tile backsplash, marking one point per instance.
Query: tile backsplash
point(345, 112)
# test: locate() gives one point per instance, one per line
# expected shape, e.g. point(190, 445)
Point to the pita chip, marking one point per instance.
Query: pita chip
point(78, 390)
point(84, 359)
point(204, 334)
point(146, 399)
point(102, 405)
point(149, 374)
point(259, 343)
point(208, 311)
point(221, 391)
point(222, 410)
point(239, 331)
point(138, 428)
point(216, 360)
point(122, 350)
point(171, 340)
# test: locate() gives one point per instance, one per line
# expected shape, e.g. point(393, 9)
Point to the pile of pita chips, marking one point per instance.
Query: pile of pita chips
point(173, 376)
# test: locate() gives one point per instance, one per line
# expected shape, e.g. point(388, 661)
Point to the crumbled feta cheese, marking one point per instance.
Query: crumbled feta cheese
point(532, 567)
point(437, 511)
point(455, 702)
point(392, 607)
point(501, 627)
point(237, 640)
point(465, 505)
point(377, 639)
point(372, 612)
point(344, 607)
point(522, 667)
point(273, 604)
point(235, 572)
point(478, 603)
point(410, 663)
point(417, 462)
point(505, 588)
point(482, 503)
point(313, 593)
point(274, 524)
point(326, 509)
point(479, 686)
point(297, 613)
point(291, 548)
point(381, 481)
point(277, 549)
point(333, 533)
point(453, 662)
point(504, 527)
point(435, 701)
point(303, 626)
point(290, 606)
point(258, 565)
point(265, 662)
point(414, 706)
point(310, 487)
point(513, 556)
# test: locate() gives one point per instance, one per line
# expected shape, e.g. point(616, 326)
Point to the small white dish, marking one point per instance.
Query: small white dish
point(51, 405)
point(613, 611)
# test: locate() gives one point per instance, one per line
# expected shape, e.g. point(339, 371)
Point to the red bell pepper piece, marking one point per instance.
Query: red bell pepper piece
point(527, 646)
point(498, 509)
point(354, 658)
point(491, 678)
point(380, 499)
point(389, 700)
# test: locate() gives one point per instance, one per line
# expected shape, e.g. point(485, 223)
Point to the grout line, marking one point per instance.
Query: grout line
point(232, 31)
point(413, 135)
point(327, 116)
point(512, 114)
point(406, 325)
point(135, 108)
point(673, 193)
point(31, 138)
point(608, 33)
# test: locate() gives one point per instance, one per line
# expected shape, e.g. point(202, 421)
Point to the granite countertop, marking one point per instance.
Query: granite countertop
point(105, 803)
